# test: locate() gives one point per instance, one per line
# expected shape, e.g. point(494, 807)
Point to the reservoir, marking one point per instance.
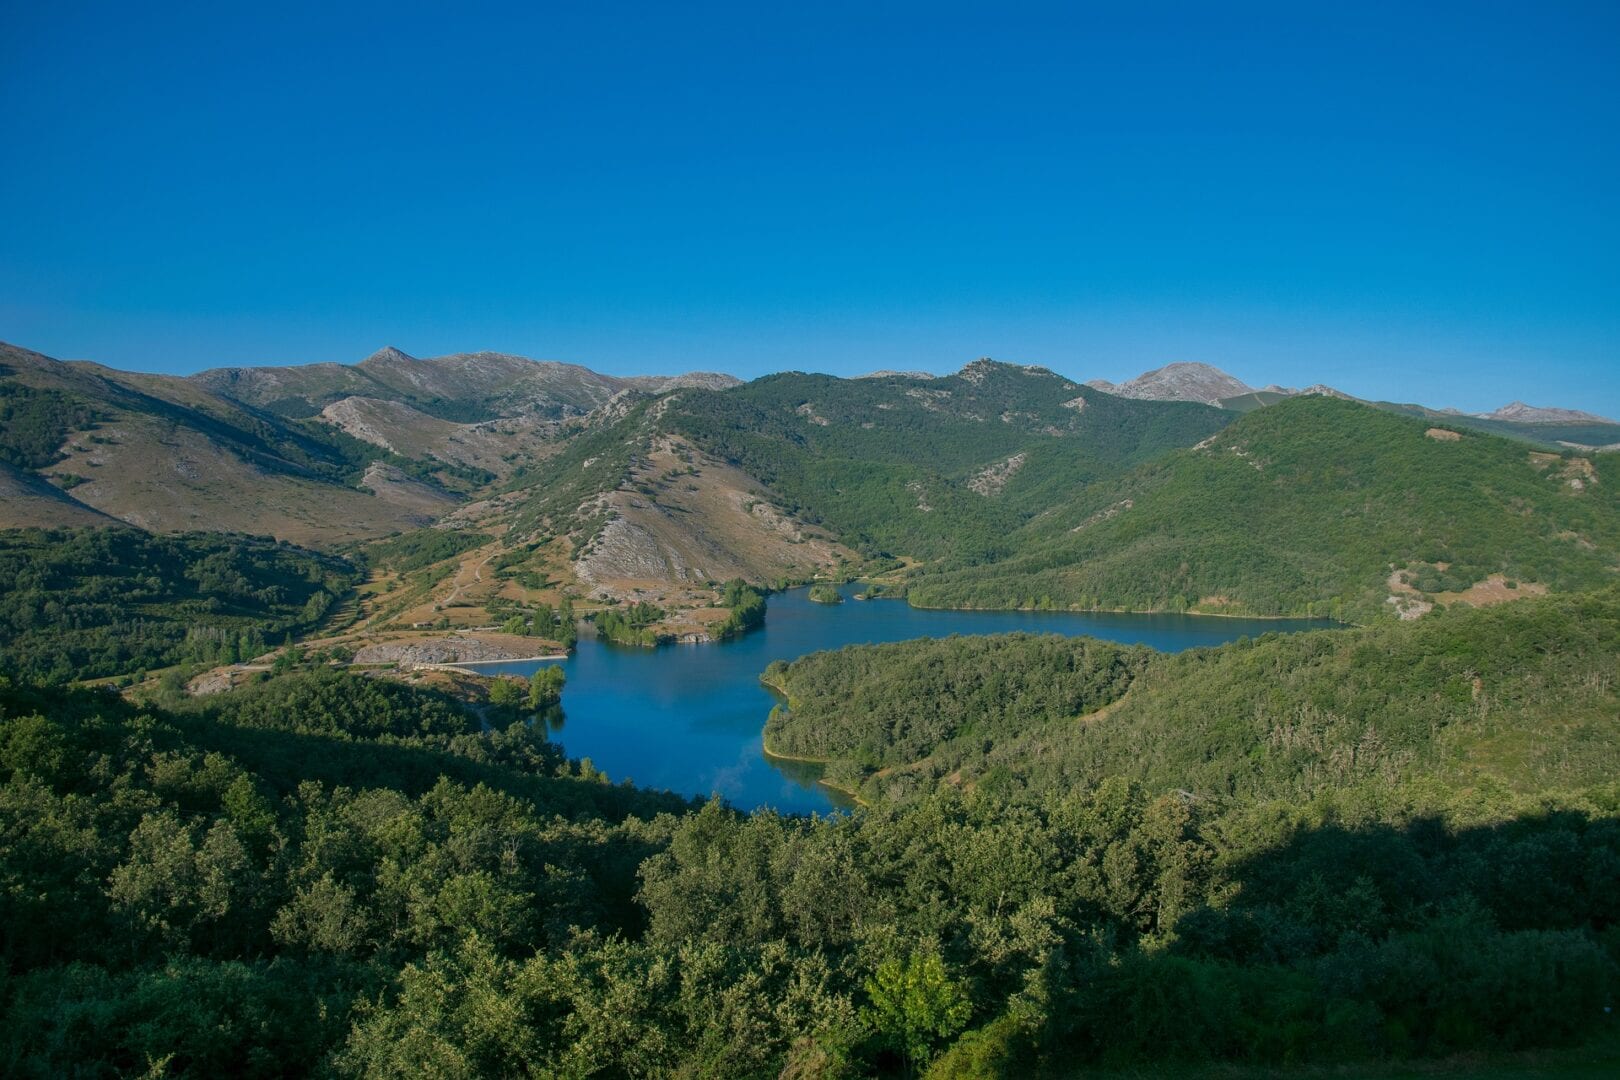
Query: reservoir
point(688, 718)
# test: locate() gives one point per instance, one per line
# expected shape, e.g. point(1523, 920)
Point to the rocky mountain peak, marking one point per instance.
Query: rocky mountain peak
point(389, 355)
point(1323, 390)
point(1180, 381)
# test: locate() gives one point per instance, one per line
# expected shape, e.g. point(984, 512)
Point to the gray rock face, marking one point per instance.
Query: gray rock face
point(1178, 382)
point(436, 651)
point(1535, 414)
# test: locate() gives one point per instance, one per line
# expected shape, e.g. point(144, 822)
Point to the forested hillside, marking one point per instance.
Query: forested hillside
point(1307, 507)
point(929, 467)
point(81, 603)
point(1521, 696)
point(327, 873)
point(890, 466)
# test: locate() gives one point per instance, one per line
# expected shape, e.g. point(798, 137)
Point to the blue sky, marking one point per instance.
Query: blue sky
point(1410, 201)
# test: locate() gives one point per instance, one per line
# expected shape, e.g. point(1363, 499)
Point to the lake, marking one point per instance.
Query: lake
point(689, 718)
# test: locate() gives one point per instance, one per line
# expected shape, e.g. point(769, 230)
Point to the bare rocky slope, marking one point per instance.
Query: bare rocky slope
point(1178, 382)
point(461, 387)
point(165, 454)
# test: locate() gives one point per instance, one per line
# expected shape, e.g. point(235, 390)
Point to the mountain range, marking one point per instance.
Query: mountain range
point(1189, 381)
point(998, 485)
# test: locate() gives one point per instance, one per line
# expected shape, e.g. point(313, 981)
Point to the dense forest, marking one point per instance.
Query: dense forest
point(81, 603)
point(330, 873)
point(1306, 507)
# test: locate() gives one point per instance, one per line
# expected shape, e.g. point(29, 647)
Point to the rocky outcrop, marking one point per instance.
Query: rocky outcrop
point(456, 650)
point(993, 478)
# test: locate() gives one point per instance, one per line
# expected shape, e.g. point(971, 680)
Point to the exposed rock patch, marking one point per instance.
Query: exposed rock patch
point(450, 650)
point(1104, 514)
point(993, 478)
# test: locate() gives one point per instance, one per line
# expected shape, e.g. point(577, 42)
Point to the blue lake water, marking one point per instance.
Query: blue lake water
point(688, 718)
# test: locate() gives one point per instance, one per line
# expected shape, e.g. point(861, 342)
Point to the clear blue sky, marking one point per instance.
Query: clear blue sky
point(1407, 200)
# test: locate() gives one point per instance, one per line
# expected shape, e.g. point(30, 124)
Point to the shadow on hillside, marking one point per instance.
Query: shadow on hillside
point(1378, 942)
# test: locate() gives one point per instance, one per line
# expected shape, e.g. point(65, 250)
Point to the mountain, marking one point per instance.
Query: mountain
point(461, 387)
point(1178, 382)
point(1519, 412)
point(997, 485)
point(166, 454)
point(792, 473)
point(1314, 505)
point(1555, 428)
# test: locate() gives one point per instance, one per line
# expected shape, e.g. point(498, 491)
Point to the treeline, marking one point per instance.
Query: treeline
point(1305, 507)
point(876, 706)
point(1521, 695)
point(216, 889)
point(81, 603)
point(328, 873)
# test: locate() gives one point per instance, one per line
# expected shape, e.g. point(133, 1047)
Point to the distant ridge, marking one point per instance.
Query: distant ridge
point(1521, 413)
point(1189, 381)
point(462, 387)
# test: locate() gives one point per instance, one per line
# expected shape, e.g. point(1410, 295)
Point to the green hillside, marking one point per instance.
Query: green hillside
point(1306, 507)
point(1515, 697)
point(82, 603)
point(891, 465)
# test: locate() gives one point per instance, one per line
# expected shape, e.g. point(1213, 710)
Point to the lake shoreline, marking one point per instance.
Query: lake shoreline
point(822, 780)
point(691, 721)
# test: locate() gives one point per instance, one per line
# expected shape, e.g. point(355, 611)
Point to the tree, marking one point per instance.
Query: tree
point(916, 1005)
point(545, 687)
point(506, 693)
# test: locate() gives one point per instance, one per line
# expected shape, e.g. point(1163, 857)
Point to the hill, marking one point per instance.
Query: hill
point(1179, 382)
point(1318, 506)
point(81, 603)
point(819, 469)
point(165, 454)
point(1511, 698)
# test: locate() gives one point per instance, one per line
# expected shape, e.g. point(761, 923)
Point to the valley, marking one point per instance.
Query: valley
point(382, 700)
